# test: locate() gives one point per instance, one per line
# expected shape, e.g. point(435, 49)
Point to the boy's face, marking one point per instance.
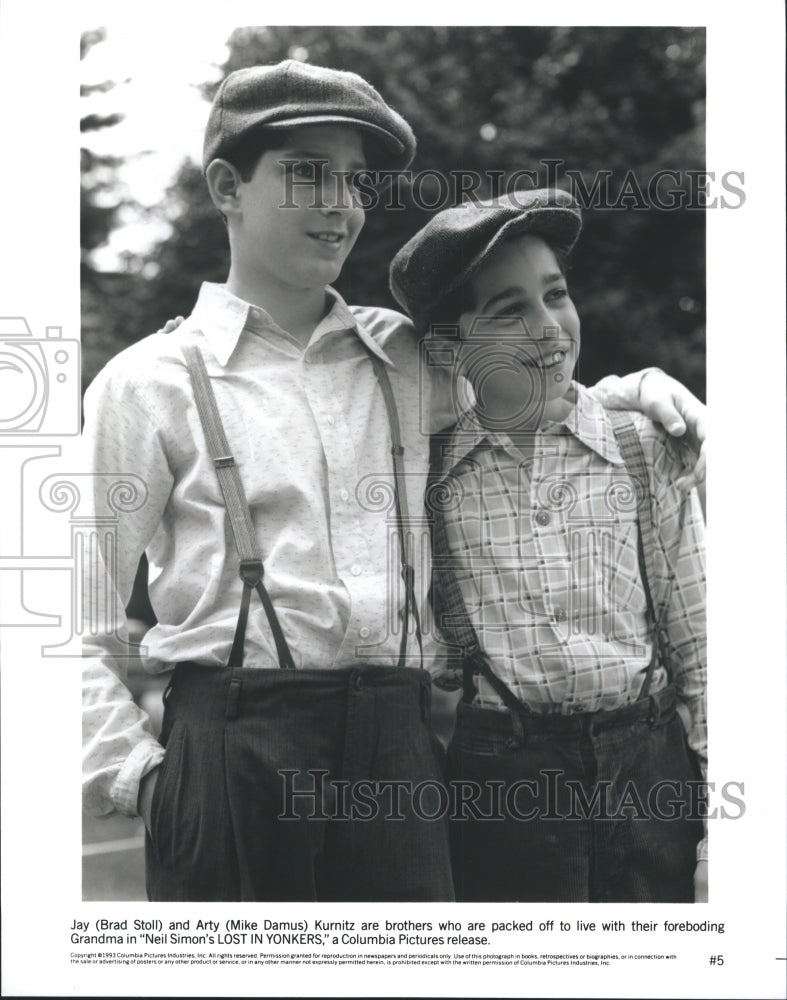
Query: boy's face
point(520, 342)
point(305, 244)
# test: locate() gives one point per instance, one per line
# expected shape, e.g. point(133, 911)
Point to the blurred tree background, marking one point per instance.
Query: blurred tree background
point(613, 99)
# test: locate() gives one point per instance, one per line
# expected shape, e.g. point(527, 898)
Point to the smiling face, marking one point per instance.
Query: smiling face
point(520, 342)
point(296, 223)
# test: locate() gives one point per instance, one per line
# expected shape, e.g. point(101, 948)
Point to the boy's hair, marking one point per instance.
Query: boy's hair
point(461, 300)
point(431, 270)
point(247, 152)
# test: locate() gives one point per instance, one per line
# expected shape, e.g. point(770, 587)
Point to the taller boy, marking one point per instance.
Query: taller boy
point(301, 385)
point(300, 402)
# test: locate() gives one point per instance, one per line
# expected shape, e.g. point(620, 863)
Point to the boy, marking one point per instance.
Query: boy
point(246, 803)
point(553, 584)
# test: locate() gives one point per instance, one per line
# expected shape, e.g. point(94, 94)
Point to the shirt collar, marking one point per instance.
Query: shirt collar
point(222, 317)
point(587, 421)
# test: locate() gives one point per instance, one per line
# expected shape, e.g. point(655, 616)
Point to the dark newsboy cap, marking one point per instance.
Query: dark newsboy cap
point(454, 244)
point(293, 93)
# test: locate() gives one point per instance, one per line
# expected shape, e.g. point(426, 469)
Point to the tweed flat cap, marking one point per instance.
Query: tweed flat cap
point(293, 93)
point(455, 243)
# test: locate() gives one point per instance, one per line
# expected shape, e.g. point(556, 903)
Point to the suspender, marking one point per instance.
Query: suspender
point(450, 609)
point(250, 561)
point(647, 538)
point(250, 566)
point(402, 516)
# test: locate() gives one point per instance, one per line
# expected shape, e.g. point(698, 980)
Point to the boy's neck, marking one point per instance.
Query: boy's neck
point(495, 412)
point(296, 310)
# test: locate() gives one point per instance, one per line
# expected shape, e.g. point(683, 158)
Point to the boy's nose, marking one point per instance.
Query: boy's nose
point(337, 193)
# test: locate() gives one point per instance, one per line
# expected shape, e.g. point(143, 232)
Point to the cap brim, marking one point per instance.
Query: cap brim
point(394, 144)
point(556, 222)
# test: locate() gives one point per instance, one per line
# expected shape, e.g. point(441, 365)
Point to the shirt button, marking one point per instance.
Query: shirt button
point(330, 421)
point(364, 632)
point(355, 570)
point(344, 495)
point(358, 683)
point(542, 517)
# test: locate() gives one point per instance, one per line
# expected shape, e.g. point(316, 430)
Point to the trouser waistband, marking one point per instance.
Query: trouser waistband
point(656, 709)
point(224, 691)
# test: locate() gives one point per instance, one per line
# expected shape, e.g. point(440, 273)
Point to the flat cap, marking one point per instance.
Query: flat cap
point(454, 244)
point(293, 93)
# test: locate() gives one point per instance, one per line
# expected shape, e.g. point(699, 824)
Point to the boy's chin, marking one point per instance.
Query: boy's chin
point(321, 273)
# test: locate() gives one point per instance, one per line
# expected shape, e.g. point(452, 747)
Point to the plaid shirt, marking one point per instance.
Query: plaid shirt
point(544, 547)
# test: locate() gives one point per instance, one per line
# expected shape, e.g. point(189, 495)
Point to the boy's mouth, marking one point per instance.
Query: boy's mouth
point(329, 237)
point(554, 360)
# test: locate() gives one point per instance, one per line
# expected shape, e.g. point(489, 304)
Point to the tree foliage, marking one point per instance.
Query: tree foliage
point(108, 322)
point(597, 99)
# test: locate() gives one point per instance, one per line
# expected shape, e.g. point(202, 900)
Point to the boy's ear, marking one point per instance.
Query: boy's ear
point(223, 182)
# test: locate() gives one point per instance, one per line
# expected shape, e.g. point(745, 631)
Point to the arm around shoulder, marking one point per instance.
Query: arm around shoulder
point(667, 402)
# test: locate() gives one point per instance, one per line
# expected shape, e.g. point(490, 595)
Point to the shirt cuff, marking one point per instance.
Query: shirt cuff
point(142, 759)
point(702, 850)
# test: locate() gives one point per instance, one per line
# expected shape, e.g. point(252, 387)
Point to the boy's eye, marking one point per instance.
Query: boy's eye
point(513, 309)
point(557, 293)
point(304, 170)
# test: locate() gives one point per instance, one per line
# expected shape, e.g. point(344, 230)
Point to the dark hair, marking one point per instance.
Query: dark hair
point(461, 300)
point(247, 152)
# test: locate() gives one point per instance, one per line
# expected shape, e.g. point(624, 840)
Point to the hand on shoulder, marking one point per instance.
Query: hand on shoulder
point(170, 325)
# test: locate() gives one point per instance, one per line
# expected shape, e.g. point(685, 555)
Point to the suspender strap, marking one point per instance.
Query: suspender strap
point(402, 515)
point(630, 446)
point(251, 568)
point(450, 610)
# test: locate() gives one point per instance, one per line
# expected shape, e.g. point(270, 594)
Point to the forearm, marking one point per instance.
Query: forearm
point(118, 745)
point(125, 510)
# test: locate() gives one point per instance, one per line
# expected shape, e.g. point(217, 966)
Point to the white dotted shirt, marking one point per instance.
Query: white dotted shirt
point(309, 431)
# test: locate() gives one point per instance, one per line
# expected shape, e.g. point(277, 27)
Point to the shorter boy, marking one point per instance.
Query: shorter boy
point(569, 575)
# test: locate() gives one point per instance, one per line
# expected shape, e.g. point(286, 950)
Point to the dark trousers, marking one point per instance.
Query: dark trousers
point(227, 820)
point(536, 833)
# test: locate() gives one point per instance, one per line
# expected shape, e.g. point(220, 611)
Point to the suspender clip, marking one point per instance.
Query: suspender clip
point(223, 461)
point(250, 571)
point(233, 698)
